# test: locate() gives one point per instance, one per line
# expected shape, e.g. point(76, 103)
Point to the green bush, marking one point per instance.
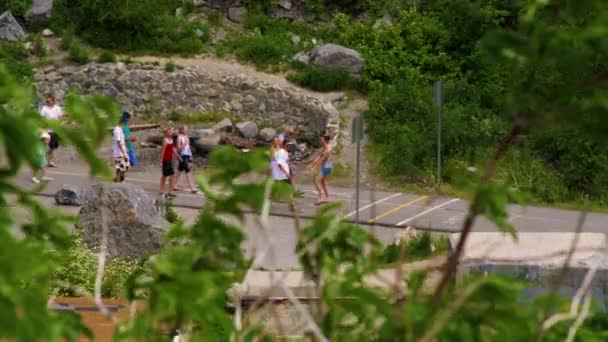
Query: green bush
point(323, 79)
point(146, 26)
point(18, 7)
point(79, 53)
point(67, 39)
point(215, 18)
point(170, 66)
point(40, 48)
point(107, 57)
point(263, 51)
point(15, 58)
point(422, 246)
point(77, 268)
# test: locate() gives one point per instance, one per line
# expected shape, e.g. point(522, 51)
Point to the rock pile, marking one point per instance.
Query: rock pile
point(145, 89)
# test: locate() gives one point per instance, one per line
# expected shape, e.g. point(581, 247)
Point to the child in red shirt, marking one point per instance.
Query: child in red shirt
point(166, 162)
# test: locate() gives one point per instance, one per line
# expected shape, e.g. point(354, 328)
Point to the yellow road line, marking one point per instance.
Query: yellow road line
point(386, 213)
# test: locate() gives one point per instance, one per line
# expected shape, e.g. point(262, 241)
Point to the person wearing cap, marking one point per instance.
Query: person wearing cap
point(51, 111)
point(129, 139)
point(41, 152)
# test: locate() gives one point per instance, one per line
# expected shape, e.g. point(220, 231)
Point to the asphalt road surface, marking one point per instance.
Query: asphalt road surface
point(383, 213)
point(376, 207)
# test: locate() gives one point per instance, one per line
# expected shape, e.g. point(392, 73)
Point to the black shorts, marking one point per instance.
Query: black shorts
point(168, 170)
point(185, 164)
point(54, 143)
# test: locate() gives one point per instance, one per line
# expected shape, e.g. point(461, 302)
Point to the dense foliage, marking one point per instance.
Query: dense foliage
point(412, 46)
point(132, 26)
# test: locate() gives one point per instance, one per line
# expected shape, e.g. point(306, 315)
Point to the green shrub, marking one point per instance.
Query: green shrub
point(140, 26)
point(215, 18)
point(170, 215)
point(79, 53)
point(107, 57)
point(77, 268)
point(170, 66)
point(323, 79)
point(67, 39)
point(40, 48)
point(263, 51)
point(15, 58)
point(419, 247)
point(18, 7)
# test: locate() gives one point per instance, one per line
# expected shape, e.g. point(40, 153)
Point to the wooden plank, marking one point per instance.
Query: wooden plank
point(140, 127)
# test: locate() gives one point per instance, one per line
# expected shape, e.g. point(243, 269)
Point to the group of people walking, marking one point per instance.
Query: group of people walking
point(124, 156)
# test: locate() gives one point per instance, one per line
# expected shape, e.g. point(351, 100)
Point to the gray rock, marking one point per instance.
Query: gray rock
point(237, 14)
point(179, 12)
point(267, 134)
point(302, 147)
point(206, 143)
point(286, 4)
point(337, 56)
point(199, 33)
point(69, 195)
point(223, 126)
point(194, 135)
point(9, 28)
point(111, 91)
point(40, 11)
point(133, 220)
point(302, 57)
point(47, 33)
point(248, 129)
point(199, 3)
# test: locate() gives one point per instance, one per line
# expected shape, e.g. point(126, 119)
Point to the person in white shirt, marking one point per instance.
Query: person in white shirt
point(279, 164)
point(119, 153)
point(51, 111)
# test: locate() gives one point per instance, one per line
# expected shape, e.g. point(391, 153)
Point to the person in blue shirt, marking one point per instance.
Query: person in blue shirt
point(129, 139)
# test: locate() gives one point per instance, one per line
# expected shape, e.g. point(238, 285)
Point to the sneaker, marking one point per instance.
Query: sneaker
point(47, 179)
point(35, 180)
point(52, 165)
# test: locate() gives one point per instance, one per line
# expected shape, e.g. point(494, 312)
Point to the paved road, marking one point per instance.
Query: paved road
point(385, 208)
point(396, 209)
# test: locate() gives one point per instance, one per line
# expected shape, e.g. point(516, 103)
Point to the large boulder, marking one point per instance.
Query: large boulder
point(69, 195)
point(223, 126)
point(134, 220)
point(337, 57)
point(247, 129)
point(9, 28)
point(205, 143)
point(538, 259)
point(267, 134)
point(40, 11)
point(237, 14)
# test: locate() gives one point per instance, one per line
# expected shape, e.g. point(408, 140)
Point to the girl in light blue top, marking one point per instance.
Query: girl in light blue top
point(323, 160)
